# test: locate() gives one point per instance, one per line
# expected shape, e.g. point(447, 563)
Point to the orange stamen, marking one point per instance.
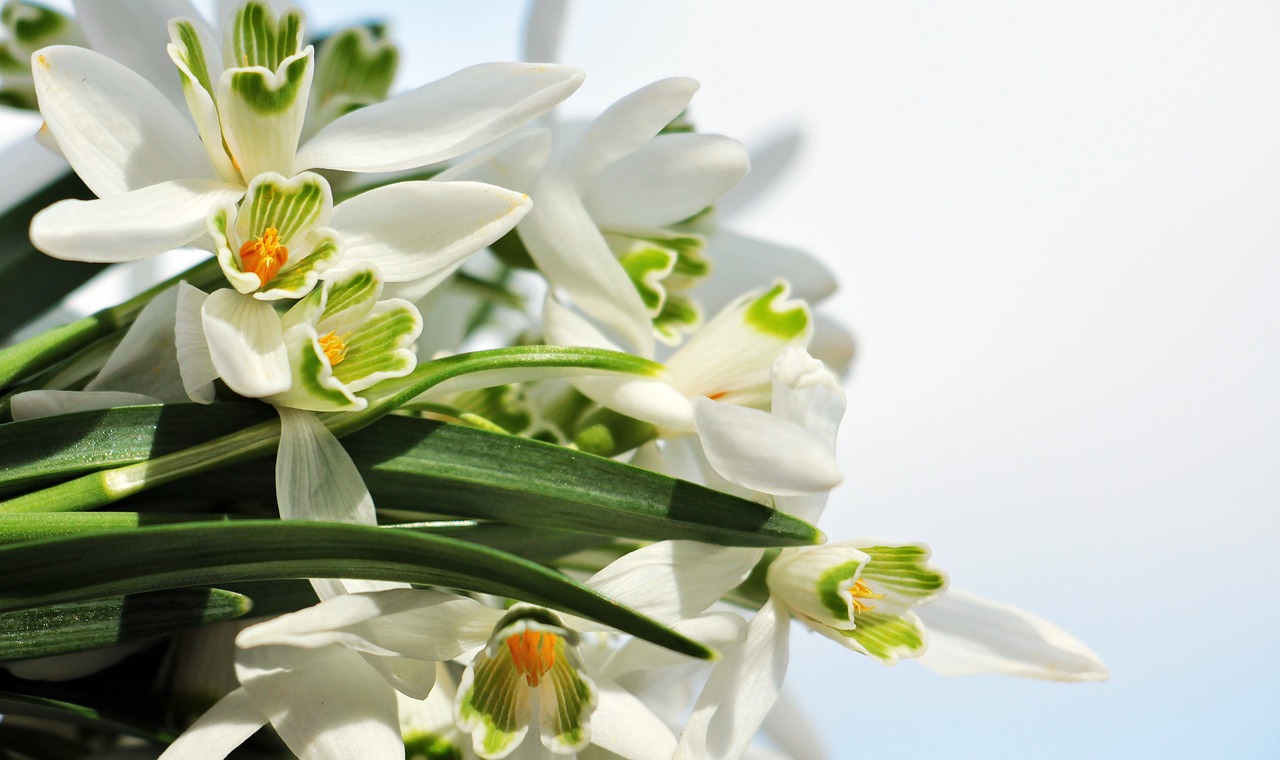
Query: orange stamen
point(860, 590)
point(533, 653)
point(334, 349)
point(264, 256)
point(718, 395)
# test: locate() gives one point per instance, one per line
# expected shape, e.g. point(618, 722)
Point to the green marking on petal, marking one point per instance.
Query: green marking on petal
point(573, 701)
point(258, 38)
point(190, 50)
point(773, 315)
point(647, 267)
point(680, 316)
point(424, 745)
point(904, 572)
point(291, 206)
point(34, 26)
point(268, 94)
point(493, 703)
point(376, 350)
point(887, 638)
point(350, 296)
point(311, 371)
point(829, 588)
point(354, 67)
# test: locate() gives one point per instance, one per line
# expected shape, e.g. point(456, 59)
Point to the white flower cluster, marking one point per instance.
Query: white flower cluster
point(338, 218)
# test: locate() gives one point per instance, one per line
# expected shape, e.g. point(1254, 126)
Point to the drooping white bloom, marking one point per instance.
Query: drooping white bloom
point(158, 180)
point(716, 384)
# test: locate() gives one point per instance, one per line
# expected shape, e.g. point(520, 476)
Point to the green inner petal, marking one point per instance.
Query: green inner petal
point(773, 315)
point(258, 38)
point(829, 588)
point(904, 570)
point(376, 346)
point(494, 702)
point(574, 698)
point(191, 51)
point(291, 206)
point(355, 63)
point(888, 638)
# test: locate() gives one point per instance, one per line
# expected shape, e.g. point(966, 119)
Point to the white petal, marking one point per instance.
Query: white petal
point(568, 248)
point(135, 34)
point(833, 344)
point(264, 137)
point(131, 226)
point(674, 580)
point(223, 727)
point(116, 129)
point(808, 394)
point(650, 399)
point(332, 706)
point(315, 477)
point(143, 362)
point(793, 729)
point(441, 119)
point(194, 362)
point(424, 230)
point(246, 343)
point(622, 724)
point(33, 404)
point(668, 180)
point(425, 625)
point(625, 126)
point(971, 634)
point(763, 452)
point(740, 691)
point(512, 163)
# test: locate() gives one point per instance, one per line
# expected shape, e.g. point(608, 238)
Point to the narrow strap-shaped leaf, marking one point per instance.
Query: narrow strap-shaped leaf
point(416, 464)
point(99, 489)
point(96, 623)
point(175, 556)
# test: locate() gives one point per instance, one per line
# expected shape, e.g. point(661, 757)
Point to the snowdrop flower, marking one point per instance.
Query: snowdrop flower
point(532, 646)
point(716, 385)
point(326, 678)
point(286, 234)
point(602, 229)
point(158, 180)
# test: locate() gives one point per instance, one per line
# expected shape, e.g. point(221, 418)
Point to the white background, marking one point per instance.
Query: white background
point(1056, 229)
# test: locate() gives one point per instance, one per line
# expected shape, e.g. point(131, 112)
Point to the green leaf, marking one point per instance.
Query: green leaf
point(98, 623)
point(198, 554)
point(414, 464)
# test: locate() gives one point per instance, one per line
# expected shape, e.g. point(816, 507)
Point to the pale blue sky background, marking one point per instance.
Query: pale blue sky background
point(1056, 227)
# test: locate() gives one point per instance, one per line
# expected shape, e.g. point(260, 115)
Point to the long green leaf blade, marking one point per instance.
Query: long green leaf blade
point(196, 554)
point(415, 464)
point(96, 623)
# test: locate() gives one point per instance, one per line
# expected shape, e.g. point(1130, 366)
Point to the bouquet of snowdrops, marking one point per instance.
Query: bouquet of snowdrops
point(468, 432)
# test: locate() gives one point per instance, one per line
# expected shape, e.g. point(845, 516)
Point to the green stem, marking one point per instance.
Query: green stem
point(108, 486)
point(44, 350)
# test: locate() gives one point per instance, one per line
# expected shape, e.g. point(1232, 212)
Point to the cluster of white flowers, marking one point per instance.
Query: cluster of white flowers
point(339, 218)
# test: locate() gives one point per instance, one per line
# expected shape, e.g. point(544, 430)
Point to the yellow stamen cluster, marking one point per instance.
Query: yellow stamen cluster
point(860, 590)
point(264, 256)
point(533, 653)
point(335, 350)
